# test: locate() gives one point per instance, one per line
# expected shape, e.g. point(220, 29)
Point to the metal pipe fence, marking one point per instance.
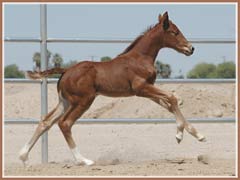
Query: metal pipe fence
point(80, 40)
point(44, 64)
point(163, 81)
point(129, 120)
point(44, 40)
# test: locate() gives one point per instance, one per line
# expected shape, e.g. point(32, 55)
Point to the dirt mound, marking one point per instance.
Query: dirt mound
point(197, 100)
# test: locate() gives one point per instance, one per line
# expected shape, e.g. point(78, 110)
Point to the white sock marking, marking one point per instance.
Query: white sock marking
point(79, 158)
point(23, 154)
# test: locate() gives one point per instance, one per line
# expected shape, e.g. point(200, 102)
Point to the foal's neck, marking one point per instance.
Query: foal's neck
point(149, 45)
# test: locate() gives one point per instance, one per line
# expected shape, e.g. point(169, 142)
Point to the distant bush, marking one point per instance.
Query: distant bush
point(106, 58)
point(226, 70)
point(12, 71)
point(206, 70)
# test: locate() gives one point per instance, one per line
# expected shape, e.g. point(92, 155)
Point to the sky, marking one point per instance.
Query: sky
point(119, 21)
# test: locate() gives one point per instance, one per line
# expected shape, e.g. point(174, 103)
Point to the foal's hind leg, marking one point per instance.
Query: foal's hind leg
point(43, 126)
point(65, 124)
point(168, 101)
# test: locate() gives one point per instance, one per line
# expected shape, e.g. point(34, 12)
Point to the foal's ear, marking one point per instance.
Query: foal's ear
point(159, 18)
point(164, 20)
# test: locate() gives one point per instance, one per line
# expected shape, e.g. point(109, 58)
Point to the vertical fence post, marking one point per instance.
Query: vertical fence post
point(44, 105)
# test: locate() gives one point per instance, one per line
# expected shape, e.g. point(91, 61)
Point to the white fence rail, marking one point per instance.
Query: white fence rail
point(162, 81)
point(129, 120)
point(112, 41)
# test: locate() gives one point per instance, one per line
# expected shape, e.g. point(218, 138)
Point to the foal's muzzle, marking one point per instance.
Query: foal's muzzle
point(188, 51)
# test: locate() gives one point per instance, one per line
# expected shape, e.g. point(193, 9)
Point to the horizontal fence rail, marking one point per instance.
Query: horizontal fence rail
point(53, 80)
point(80, 40)
point(129, 120)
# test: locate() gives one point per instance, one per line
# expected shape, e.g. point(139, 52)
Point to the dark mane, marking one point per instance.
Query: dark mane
point(137, 40)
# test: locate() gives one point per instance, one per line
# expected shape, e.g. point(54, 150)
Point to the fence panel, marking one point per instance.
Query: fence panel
point(44, 41)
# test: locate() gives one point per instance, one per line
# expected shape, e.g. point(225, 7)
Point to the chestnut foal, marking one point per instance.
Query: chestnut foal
point(131, 73)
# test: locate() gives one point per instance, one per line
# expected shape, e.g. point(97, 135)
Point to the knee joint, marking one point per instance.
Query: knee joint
point(63, 126)
point(45, 125)
point(173, 102)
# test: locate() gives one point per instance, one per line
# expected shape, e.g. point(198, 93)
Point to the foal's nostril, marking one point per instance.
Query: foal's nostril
point(192, 49)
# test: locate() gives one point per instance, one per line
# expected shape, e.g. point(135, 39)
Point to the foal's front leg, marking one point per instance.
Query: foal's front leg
point(169, 101)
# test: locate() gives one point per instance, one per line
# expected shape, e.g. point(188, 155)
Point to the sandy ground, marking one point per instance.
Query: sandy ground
point(126, 149)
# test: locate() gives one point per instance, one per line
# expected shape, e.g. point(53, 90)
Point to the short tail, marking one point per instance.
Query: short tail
point(43, 74)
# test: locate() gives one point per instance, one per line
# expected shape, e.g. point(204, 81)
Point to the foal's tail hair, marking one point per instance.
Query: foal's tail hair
point(43, 74)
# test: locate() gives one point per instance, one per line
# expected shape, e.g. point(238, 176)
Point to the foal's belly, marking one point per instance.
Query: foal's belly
point(115, 93)
point(114, 89)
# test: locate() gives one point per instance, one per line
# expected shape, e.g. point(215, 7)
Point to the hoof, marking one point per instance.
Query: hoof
point(23, 154)
point(86, 162)
point(23, 157)
point(179, 138)
point(201, 138)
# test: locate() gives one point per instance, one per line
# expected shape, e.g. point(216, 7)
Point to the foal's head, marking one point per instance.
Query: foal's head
point(173, 37)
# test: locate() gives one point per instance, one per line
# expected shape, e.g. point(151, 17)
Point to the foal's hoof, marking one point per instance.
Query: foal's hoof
point(86, 162)
point(23, 157)
point(201, 138)
point(179, 138)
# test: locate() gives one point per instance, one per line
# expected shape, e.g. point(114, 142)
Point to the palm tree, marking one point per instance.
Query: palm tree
point(37, 60)
point(57, 60)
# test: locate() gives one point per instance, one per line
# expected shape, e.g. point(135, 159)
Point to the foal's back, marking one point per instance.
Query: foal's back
point(107, 78)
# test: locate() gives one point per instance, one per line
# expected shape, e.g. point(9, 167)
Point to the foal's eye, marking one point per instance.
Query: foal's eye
point(174, 33)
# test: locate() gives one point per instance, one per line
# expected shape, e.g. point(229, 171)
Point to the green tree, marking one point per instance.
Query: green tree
point(226, 70)
point(12, 71)
point(106, 58)
point(57, 60)
point(203, 70)
point(163, 70)
point(70, 63)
